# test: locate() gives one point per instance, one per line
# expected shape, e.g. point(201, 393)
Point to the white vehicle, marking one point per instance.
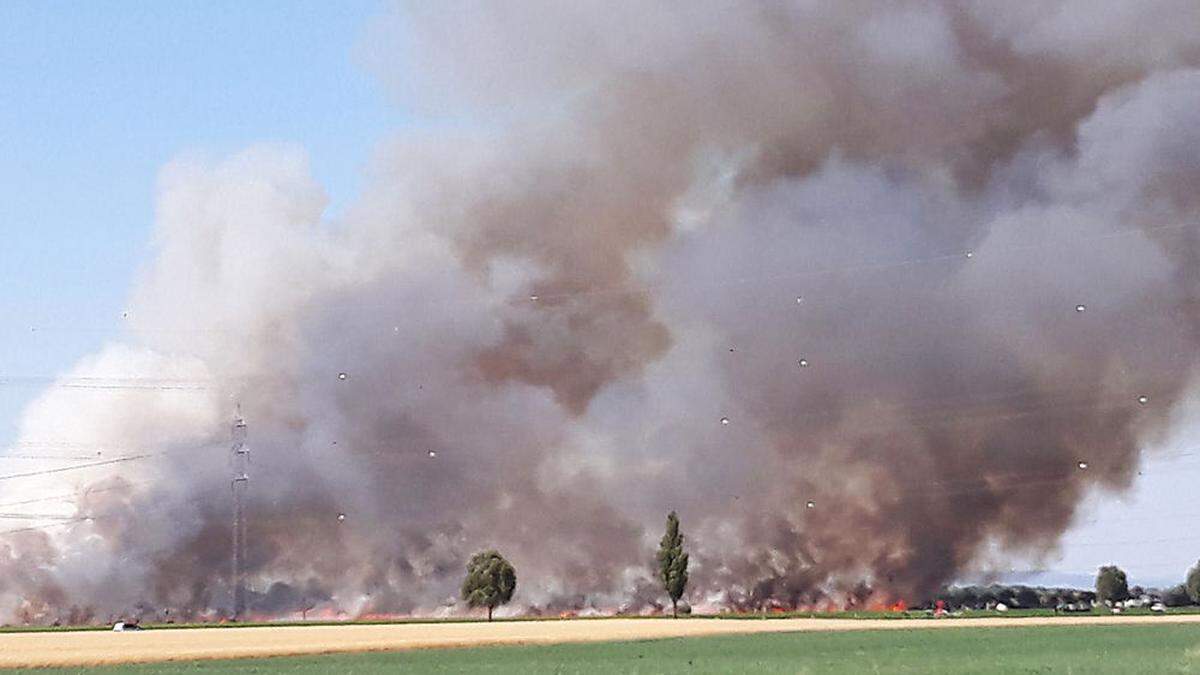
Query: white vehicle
point(1158, 607)
point(123, 627)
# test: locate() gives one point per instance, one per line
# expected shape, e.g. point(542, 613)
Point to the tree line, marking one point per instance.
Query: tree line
point(491, 580)
point(1112, 586)
point(1112, 589)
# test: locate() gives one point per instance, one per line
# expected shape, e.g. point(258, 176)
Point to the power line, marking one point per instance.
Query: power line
point(148, 383)
point(1009, 480)
point(44, 457)
point(76, 467)
point(20, 450)
point(984, 484)
point(35, 516)
point(88, 465)
point(84, 493)
point(45, 328)
point(202, 385)
point(73, 521)
point(959, 255)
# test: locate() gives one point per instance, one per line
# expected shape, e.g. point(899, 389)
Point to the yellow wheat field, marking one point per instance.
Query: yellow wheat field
point(82, 648)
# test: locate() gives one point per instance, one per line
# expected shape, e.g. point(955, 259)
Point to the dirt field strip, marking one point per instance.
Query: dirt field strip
point(84, 648)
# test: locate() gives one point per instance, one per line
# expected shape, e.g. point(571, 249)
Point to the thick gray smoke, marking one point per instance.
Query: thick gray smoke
point(856, 287)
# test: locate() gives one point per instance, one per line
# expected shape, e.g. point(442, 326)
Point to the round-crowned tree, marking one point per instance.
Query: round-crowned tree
point(490, 581)
point(1193, 583)
point(1111, 585)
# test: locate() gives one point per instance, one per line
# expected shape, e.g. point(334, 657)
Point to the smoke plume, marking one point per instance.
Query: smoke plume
point(862, 290)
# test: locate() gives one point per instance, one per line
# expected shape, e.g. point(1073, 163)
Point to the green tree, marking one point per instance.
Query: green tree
point(1176, 596)
point(673, 562)
point(1193, 583)
point(490, 581)
point(1111, 584)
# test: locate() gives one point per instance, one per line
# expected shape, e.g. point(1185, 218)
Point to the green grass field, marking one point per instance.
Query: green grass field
point(1048, 649)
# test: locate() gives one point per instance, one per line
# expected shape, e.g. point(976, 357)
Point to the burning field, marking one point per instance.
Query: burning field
point(872, 294)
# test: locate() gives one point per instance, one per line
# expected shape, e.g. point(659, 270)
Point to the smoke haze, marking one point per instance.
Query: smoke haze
point(863, 290)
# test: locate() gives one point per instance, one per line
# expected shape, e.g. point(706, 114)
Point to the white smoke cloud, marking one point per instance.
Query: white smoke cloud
point(543, 319)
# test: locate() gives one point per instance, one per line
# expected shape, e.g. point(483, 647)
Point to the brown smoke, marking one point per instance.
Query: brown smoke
point(655, 214)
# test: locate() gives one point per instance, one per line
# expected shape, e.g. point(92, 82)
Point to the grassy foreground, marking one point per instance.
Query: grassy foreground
point(1057, 649)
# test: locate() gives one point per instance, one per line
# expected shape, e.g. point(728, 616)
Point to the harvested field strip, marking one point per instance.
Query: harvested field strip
point(85, 648)
point(1044, 649)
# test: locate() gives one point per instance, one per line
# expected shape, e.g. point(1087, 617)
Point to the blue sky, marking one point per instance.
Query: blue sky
point(96, 97)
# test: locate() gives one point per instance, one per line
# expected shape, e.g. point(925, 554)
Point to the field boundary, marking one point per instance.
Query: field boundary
point(89, 648)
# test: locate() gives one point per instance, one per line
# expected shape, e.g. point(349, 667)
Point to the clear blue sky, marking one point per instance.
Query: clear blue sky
point(96, 97)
